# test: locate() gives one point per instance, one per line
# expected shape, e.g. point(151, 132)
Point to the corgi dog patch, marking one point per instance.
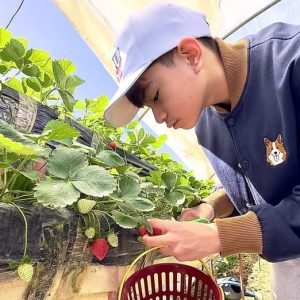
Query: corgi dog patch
point(275, 151)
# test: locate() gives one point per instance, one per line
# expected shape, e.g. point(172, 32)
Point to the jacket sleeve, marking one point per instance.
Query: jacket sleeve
point(280, 226)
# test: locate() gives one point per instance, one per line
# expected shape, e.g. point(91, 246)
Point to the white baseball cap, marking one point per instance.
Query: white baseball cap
point(148, 34)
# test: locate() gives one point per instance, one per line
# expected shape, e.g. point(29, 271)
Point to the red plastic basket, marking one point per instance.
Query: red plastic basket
point(170, 281)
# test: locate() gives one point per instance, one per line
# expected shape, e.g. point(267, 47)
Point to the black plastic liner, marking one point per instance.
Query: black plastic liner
point(30, 116)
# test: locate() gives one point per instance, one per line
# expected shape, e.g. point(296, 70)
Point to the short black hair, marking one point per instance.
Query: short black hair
point(136, 93)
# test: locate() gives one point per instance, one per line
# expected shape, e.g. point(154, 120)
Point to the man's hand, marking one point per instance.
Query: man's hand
point(185, 241)
point(204, 210)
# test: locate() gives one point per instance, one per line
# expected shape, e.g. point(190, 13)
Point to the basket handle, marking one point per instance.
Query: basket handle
point(204, 264)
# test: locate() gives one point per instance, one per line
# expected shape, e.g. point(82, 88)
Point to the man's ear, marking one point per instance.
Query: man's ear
point(192, 51)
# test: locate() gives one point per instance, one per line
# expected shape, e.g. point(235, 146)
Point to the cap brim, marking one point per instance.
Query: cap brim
point(121, 111)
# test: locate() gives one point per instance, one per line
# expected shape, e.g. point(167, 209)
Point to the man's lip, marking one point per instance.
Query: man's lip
point(171, 124)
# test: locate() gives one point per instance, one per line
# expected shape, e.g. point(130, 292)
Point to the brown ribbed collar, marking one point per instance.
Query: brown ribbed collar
point(234, 59)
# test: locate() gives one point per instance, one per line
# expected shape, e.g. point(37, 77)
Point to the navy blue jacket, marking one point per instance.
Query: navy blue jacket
point(254, 149)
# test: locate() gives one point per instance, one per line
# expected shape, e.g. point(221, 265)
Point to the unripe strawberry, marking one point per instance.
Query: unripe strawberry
point(100, 248)
point(113, 239)
point(25, 271)
point(85, 205)
point(113, 145)
point(90, 232)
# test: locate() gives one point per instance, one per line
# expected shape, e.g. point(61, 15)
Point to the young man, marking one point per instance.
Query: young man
point(243, 100)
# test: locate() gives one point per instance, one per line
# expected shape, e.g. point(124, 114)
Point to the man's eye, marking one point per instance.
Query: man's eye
point(156, 97)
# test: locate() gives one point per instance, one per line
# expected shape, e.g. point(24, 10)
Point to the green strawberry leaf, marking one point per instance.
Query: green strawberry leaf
point(5, 37)
point(124, 220)
point(128, 187)
point(13, 51)
point(16, 84)
point(16, 147)
point(169, 179)
point(98, 105)
point(94, 181)
point(59, 75)
point(140, 204)
point(175, 198)
point(56, 193)
point(68, 99)
point(34, 83)
point(59, 130)
point(111, 158)
point(31, 174)
point(31, 70)
point(67, 66)
point(66, 162)
point(72, 82)
point(9, 132)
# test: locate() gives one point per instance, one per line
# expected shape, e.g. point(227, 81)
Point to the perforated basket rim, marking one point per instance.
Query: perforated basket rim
point(176, 268)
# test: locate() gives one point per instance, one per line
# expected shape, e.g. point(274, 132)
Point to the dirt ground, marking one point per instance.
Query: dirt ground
point(259, 279)
point(256, 274)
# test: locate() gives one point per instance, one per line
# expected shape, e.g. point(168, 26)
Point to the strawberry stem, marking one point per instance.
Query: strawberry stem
point(26, 227)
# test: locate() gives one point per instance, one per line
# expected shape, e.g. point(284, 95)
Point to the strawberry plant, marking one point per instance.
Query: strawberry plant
point(96, 182)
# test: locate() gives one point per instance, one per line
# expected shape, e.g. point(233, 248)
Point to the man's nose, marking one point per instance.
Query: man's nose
point(159, 116)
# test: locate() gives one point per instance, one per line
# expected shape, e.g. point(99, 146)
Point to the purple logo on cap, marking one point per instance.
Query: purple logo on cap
point(117, 60)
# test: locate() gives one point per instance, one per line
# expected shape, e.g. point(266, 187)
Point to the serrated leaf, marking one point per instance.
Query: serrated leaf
point(9, 132)
point(111, 158)
point(56, 193)
point(141, 134)
point(185, 189)
point(33, 83)
point(47, 81)
point(98, 105)
point(127, 209)
point(128, 187)
point(16, 84)
point(23, 41)
point(175, 198)
point(59, 75)
point(31, 70)
point(160, 140)
point(5, 37)
point(3, 69)
point(124, 220)
point(133, 124)
point(169, 179)
point(39, 57)
point(58, 130)
point(30, 174)
point(132, 137)
point(122, 169)
point(16, 147)
point(145, 223)
point(72, 82)
point(67, 66)
point(80, 105)
point(149, 139)
point(140, 204)
point(94, 181)
point(68, 99)
point(13, 51)
point(66, 162)
point(155, 177)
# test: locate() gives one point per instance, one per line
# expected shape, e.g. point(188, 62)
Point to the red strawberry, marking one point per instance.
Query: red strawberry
point(157, 231)
point(113, 145)
point(143, 231)
point(100, 248)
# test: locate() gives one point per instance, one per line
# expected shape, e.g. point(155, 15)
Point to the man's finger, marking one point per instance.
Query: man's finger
point(156, 241)
point(163, 225)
